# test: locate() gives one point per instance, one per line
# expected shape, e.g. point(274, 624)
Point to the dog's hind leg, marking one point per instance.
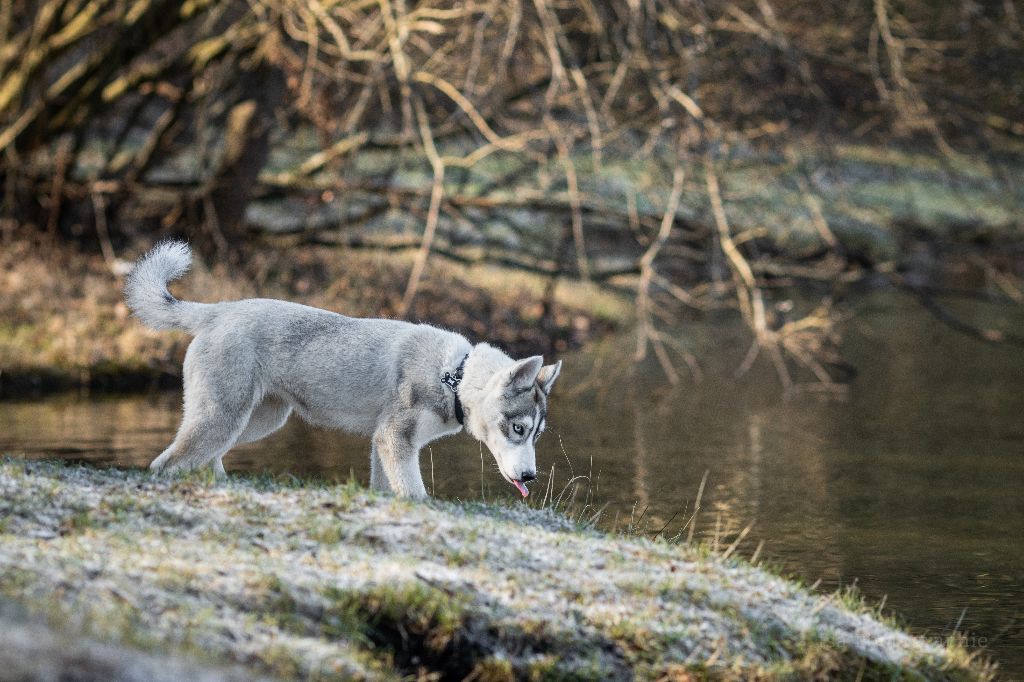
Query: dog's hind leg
point(269, 416)
point(217, 409)
point(201, 440)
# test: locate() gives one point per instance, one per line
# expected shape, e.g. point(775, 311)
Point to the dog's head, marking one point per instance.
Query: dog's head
point(509, 413)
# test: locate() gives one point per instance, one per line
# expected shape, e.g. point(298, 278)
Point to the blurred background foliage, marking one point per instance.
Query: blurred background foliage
point(759, 156)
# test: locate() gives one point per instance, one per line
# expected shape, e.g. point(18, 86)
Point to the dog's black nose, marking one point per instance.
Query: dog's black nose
point(529, 476)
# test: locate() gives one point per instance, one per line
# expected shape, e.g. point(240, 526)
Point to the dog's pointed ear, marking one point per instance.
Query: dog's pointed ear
point(524, 372)
point(547, 375)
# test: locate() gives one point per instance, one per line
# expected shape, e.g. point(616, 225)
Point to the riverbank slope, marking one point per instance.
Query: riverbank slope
point(311, 580)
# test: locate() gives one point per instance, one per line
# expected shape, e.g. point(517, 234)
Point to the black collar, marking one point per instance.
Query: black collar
point(452, 381)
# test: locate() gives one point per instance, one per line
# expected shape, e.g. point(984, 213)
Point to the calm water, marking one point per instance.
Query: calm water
point(912, 487)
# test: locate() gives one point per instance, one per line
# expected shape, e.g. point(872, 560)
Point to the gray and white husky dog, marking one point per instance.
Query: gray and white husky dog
point(253, 362)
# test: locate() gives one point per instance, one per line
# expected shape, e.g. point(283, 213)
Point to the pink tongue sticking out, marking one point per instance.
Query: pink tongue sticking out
point(522, 488)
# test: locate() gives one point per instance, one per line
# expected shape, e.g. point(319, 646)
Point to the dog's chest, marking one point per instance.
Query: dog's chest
point(430, 427)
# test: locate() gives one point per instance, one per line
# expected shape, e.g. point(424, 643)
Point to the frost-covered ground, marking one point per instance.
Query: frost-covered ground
point(327, 581)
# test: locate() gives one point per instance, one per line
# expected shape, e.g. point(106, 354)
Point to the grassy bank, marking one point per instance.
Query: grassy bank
point(310, 580)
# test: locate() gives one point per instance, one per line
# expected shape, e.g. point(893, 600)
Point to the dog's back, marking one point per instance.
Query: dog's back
point(333, 370)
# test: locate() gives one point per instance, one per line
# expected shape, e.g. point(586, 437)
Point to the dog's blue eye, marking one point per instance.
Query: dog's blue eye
point(518, 428)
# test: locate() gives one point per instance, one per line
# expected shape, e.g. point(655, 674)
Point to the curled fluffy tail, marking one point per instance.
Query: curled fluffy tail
point(146, 293)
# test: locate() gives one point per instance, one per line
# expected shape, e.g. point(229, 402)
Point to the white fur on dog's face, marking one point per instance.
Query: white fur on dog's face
point(512, 414)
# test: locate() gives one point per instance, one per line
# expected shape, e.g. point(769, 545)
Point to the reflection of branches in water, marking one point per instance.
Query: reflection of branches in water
point(647, 333)
point(607, 372)
point(943, 314)
point(808, 339)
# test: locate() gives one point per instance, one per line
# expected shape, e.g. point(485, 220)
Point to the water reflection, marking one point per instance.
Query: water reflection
point(911, 487)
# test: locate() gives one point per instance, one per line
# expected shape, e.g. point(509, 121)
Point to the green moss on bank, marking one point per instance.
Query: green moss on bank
point(240, 572)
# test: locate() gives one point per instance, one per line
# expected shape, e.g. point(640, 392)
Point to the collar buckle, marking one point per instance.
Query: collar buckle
point(452, 381)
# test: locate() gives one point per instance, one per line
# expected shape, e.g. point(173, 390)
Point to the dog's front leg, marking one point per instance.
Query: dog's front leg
point(378, 480)
point(397, 459)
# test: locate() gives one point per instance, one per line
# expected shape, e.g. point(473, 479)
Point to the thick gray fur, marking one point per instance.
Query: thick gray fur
point(253, 362)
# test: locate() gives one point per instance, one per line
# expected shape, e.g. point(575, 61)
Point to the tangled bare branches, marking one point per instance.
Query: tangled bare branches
point(132, 116)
